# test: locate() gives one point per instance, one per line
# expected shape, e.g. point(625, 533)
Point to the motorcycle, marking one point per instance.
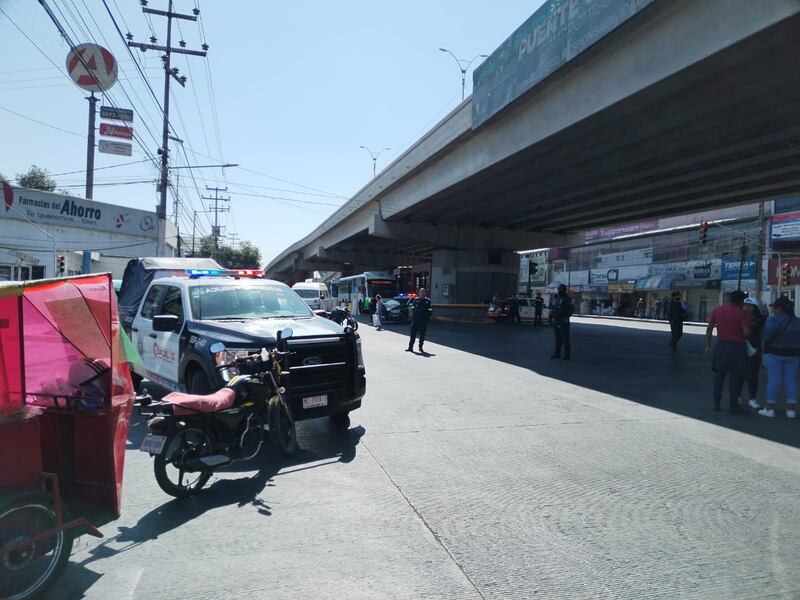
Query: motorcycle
point(340, 316)
point(191, 436)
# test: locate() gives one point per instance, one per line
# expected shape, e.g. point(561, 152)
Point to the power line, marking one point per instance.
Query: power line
point(42, 123)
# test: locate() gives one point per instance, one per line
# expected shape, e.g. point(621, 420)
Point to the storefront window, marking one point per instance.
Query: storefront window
point(5, 272)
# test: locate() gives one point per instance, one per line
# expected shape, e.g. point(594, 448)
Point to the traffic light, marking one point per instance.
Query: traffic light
point(534, 268)
point(703, 232)
point(786, 274)
point(61, 266)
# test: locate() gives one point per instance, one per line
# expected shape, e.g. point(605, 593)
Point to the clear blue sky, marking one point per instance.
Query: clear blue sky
point(298, 87)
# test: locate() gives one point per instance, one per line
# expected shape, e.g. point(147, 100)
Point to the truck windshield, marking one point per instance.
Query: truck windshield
point(260, 301)
point(310, 294)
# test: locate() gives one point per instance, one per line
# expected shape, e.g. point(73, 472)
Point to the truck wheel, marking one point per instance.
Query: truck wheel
point(341, 421)
point(198, 384)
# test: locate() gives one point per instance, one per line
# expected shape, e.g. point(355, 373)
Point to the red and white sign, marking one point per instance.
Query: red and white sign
point(117, 131)
point(92, 68)
point(775, 268)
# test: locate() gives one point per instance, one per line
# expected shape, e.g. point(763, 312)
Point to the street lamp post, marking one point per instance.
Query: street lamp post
point(463, 66)
point(374, 156)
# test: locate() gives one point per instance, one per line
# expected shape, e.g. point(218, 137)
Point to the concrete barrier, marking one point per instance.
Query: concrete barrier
point(466, 313)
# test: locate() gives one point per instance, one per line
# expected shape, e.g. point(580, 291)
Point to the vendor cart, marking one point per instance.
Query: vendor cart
point(65, 403)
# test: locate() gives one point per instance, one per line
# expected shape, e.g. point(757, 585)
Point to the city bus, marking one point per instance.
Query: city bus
point(354, 290)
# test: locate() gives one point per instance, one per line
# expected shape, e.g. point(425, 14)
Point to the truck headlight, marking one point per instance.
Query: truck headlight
point(229, 355)
point(359, 354)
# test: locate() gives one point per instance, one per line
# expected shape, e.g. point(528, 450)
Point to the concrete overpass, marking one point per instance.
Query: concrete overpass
point(681, 106)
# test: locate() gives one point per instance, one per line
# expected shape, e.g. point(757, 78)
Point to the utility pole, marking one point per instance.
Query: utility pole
point(760, 246)
point(215, 230)
point(741, 261)
point(234, 241)
point(176, 206)
point(169, 72)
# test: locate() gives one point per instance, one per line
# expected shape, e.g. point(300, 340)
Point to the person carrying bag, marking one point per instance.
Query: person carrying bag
point(781, 342)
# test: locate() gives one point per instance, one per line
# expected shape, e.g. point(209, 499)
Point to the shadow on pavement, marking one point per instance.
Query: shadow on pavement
point(630, 361)
point(319, 444)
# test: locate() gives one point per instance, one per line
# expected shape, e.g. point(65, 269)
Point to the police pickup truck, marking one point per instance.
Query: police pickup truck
point(181, 317)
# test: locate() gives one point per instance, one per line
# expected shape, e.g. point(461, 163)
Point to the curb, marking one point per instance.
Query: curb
point(637, 320)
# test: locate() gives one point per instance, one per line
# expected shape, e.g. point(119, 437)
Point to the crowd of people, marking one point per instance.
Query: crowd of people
point(746, 339)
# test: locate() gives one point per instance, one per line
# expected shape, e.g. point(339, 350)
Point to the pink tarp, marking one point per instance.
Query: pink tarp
point(61, 350)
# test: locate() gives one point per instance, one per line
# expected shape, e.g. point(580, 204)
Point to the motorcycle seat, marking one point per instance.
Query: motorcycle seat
point(187, 404)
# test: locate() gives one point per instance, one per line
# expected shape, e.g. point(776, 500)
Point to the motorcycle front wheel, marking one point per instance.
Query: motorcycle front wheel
point(282, 429)
point(28, 567)
point(169, 466)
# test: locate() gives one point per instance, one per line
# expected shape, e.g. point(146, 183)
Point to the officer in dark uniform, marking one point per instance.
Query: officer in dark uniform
point(421, 311)
point(538, 307)
point(562, 310)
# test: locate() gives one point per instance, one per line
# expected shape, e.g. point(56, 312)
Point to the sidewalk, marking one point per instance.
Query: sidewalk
point(638, 320)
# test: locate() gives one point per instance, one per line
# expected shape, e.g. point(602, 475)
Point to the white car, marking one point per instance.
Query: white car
point(315, 294)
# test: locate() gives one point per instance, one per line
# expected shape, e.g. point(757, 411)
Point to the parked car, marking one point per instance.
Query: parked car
point(500, 311)
point(398, 311)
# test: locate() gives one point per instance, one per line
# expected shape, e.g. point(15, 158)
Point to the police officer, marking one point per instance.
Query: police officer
point(421, 311)
point(538, 307)
point(562, 310)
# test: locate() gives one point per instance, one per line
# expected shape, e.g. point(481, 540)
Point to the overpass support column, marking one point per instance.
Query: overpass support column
point(472, 276)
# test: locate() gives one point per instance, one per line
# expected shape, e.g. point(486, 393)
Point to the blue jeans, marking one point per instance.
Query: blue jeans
point(781, 371)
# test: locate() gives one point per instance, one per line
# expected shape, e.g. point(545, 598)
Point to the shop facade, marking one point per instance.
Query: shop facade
point(36, 228)
point(651, 260)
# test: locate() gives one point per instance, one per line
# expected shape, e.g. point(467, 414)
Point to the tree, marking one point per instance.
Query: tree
point(37, 178)
point(246, 256)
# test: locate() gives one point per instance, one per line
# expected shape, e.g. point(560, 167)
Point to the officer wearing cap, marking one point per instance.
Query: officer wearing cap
point(562, 309)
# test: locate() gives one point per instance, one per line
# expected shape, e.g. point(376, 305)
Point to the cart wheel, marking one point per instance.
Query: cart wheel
point(29, 568)
point(169, 465)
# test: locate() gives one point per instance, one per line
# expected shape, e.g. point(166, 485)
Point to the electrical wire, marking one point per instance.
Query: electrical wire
point(42, 123)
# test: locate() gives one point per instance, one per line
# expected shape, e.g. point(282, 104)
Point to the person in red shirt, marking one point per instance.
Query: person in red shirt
point(730, 354)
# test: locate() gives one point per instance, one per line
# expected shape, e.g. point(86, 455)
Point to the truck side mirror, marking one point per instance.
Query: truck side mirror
point(166, 323)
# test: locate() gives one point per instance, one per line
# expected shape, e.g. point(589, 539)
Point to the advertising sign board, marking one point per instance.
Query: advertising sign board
point(117, 114)
point(555, 34)
point(609, 233)
point(786, 227)
point(57, 209)
point(118, 148)
point(730, 269)
point(118, 131)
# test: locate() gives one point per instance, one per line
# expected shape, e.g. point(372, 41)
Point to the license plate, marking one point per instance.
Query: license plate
point(153, 444)
point(315, 401)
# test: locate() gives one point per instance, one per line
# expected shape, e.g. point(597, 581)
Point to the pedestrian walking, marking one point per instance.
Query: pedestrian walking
point(538, 307)
point(676, 315)
point(754, 355)
point(421, 311)
point(781, 347)
point(729, 355)
point(659, 307)
point(640, 308)
point(377, 309)
point(562, 309)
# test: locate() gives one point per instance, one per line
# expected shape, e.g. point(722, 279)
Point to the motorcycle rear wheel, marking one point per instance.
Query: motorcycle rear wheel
point(182, 445)
point(27, 571)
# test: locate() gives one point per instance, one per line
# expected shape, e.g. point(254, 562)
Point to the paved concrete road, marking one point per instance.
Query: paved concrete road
point(485, 470)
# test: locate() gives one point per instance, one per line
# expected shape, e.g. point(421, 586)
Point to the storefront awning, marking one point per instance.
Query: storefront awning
point(656, 282)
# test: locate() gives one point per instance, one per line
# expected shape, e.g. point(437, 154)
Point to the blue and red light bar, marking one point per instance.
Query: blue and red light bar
point(195, 273)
